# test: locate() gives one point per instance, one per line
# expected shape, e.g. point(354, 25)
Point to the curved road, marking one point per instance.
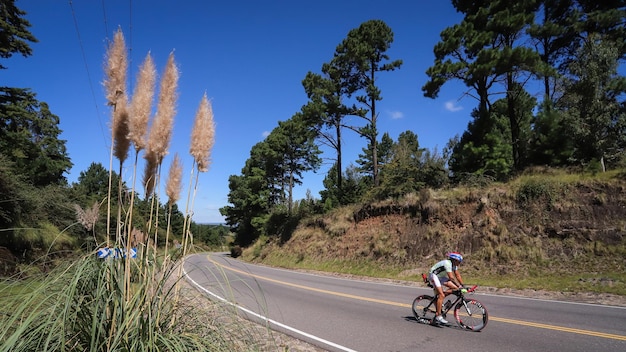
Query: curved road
point(339, 314)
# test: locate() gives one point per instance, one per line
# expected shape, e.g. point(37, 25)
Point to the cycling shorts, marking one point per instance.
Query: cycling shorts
point(436, 281)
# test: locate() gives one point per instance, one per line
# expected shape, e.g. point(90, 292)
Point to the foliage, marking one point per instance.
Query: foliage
point(325, 111)
point(14, 33)
point(384, 149)
point(274, 167)
point(308, 206)
point(534, 190)
point(483, 149)
point(93, 183)
point(401, 174)
point(350, 192)
point(29, 136)
point(290, 153)
point(211, 235)
point(362, 55)
point(12, 200)
point(281, 224)
point(249, 195)
point(598, 121)
point(551, 140)
point(433, 171)
point(489, 53)
point(33, 219)
point(47, 238)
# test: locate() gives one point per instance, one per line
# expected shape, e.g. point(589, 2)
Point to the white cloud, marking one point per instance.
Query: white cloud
point(451, 106)
point(396, 114)
point(265, 134)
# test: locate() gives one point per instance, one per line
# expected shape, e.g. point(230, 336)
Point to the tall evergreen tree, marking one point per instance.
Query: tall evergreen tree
point(484, 50)
point(291, 144)
point(29, 136)
point(554, 34)
point(605, 18)
point(401, 175)
point(363, 54)
point(274, 167)
point(325, 110)
point(592, 99)
point(14, 33)
point(249, 195)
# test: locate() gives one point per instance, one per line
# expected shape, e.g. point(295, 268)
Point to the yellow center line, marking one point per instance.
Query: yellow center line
point(404, 305)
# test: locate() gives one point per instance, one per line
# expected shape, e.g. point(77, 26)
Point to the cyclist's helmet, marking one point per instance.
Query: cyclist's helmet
point(456, 256)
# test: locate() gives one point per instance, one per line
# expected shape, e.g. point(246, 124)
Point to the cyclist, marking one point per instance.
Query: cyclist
point(446, 273)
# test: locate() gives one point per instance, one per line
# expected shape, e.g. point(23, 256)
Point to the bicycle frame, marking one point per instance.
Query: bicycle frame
point(459, 297)
point(469, 313)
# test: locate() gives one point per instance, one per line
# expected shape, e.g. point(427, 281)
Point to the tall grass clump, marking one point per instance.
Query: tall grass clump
point(85, 307)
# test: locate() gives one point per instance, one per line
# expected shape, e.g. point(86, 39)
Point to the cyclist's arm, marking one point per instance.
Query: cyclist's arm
point(455, 278)
point(459, 279)
point(452, 280)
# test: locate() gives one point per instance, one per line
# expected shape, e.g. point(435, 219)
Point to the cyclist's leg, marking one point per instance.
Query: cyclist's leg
point(451, 287)
point(438, 289)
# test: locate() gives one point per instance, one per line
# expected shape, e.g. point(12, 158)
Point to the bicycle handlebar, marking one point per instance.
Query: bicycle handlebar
point(469, 290)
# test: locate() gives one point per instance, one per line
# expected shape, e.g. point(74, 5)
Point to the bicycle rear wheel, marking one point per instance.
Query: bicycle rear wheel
point(424, 309)
point(471, 314)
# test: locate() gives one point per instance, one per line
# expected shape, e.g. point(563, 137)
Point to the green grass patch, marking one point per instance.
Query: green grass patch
point(351, 267)
point(609, 282)
point(10, 287)
point(613, 282)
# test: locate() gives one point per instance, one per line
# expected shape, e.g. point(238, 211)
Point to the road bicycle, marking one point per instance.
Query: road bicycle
point(469, 313)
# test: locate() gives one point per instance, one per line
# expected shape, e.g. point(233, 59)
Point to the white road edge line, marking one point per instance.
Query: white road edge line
point(313, 337)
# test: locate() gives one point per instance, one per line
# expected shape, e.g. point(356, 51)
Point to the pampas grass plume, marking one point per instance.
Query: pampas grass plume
point(87, 217)
point(161, 131)
point(141, 104)
point(174, 180)
point(203, 135)
point(117, 65)
point(115, 86)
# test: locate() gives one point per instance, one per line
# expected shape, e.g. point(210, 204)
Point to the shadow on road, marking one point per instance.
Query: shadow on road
point(427, 322)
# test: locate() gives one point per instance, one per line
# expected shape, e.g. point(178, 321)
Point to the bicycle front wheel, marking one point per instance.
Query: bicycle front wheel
point(471, 314)
point(424, 309)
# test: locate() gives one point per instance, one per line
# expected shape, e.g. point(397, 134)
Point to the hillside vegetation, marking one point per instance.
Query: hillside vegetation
point(553, 231)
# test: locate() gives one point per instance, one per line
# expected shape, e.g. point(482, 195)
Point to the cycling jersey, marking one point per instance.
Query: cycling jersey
point(442, 268)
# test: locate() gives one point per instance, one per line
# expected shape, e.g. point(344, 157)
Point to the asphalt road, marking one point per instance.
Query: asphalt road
point(339, 314)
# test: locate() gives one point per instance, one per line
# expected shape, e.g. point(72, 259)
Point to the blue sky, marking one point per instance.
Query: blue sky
point(248, 56)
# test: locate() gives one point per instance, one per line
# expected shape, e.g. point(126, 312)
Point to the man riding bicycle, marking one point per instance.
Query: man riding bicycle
point(445, 273)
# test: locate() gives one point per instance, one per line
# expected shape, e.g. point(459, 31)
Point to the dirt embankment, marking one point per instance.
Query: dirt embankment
point(534, 225)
